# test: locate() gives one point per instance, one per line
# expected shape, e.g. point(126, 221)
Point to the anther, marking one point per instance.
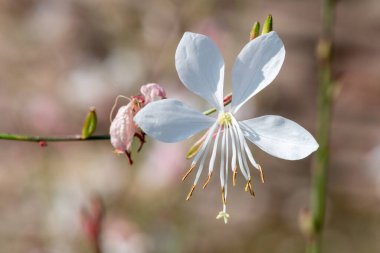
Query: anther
point(188, 172)
point(248, 187)
point(190, 192)
point(234, 177)
point(207, 180)
point(223, 196)
point(261, 173)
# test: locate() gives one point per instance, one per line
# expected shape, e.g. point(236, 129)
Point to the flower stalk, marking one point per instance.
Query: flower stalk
point(32, 138)
point(321, 161)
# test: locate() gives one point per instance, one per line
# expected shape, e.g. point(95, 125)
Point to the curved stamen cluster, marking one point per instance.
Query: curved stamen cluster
point(232, 142)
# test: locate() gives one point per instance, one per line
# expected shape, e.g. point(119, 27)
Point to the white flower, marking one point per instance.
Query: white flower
point(200, 67)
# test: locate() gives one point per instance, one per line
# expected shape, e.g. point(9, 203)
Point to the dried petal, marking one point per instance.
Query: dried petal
point(123, 128)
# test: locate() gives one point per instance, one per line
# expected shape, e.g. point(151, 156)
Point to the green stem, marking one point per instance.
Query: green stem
point(321, 161)
point(19, 137)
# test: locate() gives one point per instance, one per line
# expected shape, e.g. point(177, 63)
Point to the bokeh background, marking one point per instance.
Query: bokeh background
point(59, 57)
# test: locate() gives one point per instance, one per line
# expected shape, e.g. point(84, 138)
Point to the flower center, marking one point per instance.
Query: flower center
point(235, 155)
point(225, 119)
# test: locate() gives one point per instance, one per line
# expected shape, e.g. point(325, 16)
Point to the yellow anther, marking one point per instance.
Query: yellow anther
point(248, 187)
point(234, 177)
point(190, 192)
point(261, 173)
point(223, 196)
point(188, 172)
point(207, 180)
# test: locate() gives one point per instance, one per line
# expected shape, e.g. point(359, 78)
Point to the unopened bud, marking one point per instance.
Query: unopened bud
point(89, 125)
point(268, 25)
point(255, 31)
point(152, 92)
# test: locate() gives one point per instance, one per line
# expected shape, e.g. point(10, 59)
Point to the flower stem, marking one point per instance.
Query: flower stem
point(18, 137)
point(30, 138)
point(321, 161)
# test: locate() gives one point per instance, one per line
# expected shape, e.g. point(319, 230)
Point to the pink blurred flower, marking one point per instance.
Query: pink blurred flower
point(123, 236)
point(91, 219)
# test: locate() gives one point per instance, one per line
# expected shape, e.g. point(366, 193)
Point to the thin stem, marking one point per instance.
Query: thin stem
point(321, 161)
point(30, 138)
point(19, 137)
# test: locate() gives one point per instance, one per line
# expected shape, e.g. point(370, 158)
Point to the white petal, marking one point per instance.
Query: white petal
point(200, 67)
point(256, 66)
point(279, 137)
point(170, 120)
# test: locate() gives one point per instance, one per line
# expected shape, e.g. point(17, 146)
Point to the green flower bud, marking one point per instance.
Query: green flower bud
point(89, 125)
point(255, 31)
point(268, 25)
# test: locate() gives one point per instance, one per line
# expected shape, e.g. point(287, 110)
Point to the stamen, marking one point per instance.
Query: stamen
point(205, 146)
point(207, 180)
point(200, 169)
point(196, 147)
point(188, 172)
point(226, 171)
point(222, 159)
point(238, 148)
point(196, 158)
point(190, 192)
point(246, 148)
point(248, 186)
point(233, 148)
point(241, 139)
point(234, 177)
point(261, 174)
point(213, 155)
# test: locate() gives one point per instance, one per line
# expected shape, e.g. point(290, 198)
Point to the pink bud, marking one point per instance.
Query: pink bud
point(123, 128)
point(152, 92)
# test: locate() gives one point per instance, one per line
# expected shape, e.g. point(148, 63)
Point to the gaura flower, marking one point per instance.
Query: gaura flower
point(200, 67)
point(123, 129)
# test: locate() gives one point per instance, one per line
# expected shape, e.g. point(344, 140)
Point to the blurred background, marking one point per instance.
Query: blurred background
point(59, 57)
